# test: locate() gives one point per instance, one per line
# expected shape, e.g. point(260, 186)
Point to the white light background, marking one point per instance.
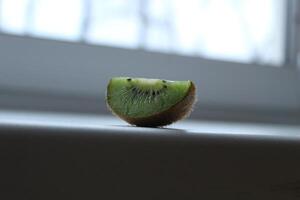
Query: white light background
point(250, 31)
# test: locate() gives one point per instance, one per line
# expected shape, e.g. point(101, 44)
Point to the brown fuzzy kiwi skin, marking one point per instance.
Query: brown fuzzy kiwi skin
point(180, 110)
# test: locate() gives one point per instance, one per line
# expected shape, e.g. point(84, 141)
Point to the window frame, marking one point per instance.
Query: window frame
point(65, 76)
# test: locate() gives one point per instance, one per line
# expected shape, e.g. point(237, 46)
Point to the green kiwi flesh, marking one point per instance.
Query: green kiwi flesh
point(150, 102)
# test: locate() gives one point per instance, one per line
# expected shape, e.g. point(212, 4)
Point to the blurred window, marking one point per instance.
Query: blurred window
point(248, 31)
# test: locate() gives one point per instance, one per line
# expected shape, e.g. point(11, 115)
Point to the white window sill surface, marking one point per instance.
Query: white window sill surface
point(104, 123)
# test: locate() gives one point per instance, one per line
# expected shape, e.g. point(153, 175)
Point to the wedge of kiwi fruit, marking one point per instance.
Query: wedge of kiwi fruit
point(150, 102)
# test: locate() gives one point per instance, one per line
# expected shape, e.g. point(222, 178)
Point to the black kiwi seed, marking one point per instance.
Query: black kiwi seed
point(164, 81)
point(153, 93)
point(157, 92)
point(146, 92)
point(165, 86)
point(129, 79)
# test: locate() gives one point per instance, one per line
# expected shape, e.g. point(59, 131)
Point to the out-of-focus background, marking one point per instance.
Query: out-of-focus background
point(57, 55)
point(247, 31)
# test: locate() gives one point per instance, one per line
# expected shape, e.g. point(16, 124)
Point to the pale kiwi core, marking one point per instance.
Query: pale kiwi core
point(140, 97)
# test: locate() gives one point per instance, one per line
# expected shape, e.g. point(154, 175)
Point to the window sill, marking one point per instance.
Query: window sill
point(60, 156)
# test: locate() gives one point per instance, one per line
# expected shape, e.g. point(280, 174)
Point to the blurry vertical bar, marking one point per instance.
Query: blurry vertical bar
point(292, 28)
point(144, 25)
point(87, 19)
point(1, 15)
point(29, 16)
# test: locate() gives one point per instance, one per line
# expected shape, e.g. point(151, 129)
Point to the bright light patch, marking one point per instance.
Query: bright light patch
point(250, 31)
point(13, 15)
point(59, 19)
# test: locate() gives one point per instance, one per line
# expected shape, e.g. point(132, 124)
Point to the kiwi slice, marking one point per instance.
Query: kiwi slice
point(150, 102)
